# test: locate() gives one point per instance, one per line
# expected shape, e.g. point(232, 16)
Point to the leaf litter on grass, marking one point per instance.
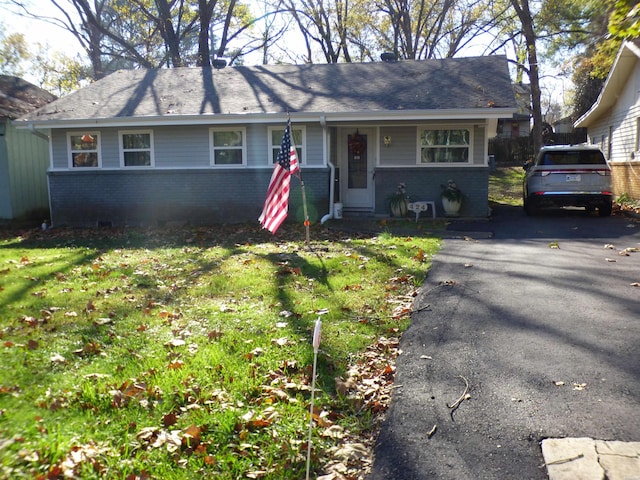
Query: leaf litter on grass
point(178, 340)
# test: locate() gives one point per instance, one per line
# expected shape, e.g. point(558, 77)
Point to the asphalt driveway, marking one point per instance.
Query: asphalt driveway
point(540, 318)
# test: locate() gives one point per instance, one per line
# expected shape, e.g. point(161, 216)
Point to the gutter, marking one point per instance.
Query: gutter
point(332, 167)
point(274, 117)
point(35, 132)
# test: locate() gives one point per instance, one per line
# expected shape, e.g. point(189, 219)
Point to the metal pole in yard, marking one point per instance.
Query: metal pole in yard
point(316, 346)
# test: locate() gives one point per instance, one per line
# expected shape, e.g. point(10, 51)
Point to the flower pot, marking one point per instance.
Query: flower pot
point(398, 208)
point(451, 207)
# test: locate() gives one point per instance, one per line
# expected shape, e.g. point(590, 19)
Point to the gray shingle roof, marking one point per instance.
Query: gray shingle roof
point(458, 83)
point(18, 97)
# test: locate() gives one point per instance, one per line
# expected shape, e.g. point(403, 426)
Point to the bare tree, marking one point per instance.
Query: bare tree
point(419, 29)
point(523, 11)
point(325, 24)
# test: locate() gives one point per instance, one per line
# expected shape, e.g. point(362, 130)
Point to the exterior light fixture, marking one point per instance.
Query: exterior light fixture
point(387, 141)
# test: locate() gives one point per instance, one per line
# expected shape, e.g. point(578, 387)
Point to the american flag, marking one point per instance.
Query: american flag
point(276, 204)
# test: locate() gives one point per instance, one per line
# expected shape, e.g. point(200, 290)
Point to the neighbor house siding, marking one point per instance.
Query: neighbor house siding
point(156, 197)
point(27, 161)
point(6, 211)
point(616, 132)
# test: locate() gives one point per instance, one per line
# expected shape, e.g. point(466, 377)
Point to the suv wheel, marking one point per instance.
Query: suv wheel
point(528, 207)
point(605, 210)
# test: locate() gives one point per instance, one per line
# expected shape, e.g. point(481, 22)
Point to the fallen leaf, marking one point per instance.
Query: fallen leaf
point(102, 321)
point(169, 419)
point(351, 452)
point(57, 358)
point(214, 335)
point(175, 365)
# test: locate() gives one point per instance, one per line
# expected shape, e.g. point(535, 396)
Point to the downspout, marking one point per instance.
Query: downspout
point(44, 136)
point(332, 180)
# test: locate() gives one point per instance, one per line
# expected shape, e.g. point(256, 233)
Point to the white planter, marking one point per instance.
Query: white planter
point(451, 207)
point(398, 208)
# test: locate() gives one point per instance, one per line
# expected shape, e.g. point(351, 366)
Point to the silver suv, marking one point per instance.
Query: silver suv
point(568, 175)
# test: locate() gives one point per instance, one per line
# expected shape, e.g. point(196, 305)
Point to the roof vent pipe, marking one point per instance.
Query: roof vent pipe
point(218, 63)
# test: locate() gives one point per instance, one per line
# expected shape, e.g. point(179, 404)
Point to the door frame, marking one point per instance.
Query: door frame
point(368, 203)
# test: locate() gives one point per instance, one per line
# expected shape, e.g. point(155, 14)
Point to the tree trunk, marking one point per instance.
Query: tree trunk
point(205, 10)
point(524, 14)
point(169, 35)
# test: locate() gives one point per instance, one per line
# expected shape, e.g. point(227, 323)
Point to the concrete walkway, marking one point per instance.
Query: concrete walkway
point(588, 459)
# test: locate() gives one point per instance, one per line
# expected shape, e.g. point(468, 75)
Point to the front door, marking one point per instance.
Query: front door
point(357, 167)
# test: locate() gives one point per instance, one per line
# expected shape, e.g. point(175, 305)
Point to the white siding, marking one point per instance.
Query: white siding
point(621, 121)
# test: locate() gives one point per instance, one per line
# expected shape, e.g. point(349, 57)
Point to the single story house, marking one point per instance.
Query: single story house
point(613, 122)
point(24, 158)
point(198, 145)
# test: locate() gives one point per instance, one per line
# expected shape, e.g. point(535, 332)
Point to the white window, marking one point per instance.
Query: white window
point(452, 145)
point(298, 138)
point(228, 146)
point(84, 149)
point(136, 148)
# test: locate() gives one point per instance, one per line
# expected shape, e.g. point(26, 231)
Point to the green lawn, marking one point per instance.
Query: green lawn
point(140, 354)
point(505, 186)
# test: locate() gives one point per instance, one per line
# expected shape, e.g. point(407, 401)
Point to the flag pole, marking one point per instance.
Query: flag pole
point(316, 346)
point(304, 198)
point(304, 207)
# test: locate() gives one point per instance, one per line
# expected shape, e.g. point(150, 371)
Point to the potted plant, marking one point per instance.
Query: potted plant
point(452, 198)
point(399, 201)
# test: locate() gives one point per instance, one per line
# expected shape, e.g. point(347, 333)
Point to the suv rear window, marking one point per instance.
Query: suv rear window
point(578, 157)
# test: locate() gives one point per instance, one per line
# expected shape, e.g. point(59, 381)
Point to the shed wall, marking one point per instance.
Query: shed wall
point(27, 159)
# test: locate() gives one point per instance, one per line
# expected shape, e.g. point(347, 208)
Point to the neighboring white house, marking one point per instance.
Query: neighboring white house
point(613, 122)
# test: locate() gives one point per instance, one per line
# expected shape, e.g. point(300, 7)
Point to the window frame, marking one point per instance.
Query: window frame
point(420, 146)
point(71, 151)
point(213, 148)
point(273, 149)
point(122, 150)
